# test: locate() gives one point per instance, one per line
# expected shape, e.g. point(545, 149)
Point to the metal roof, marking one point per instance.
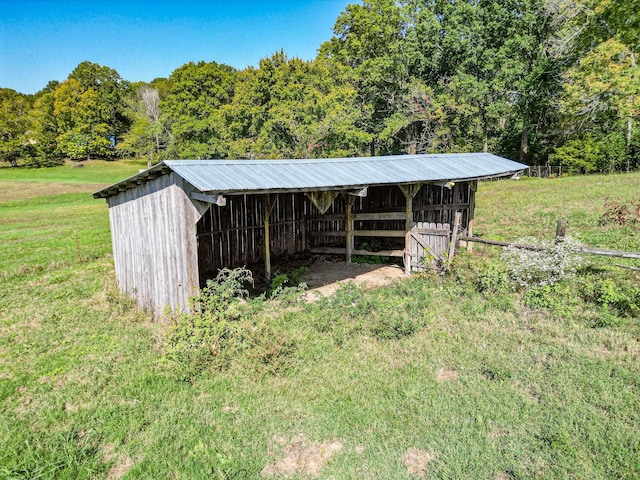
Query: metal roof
point(256, 176)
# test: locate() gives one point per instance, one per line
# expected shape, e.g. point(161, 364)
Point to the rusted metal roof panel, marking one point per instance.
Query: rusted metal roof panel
point(238, 176)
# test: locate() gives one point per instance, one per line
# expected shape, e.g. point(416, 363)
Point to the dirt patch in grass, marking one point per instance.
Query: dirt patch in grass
point(324, 277)
point(417, 461)
point(121, 463)
point(444, 375)
point(300, 457)
point(229, 408)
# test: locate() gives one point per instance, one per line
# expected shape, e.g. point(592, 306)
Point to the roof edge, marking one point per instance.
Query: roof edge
point(140, 177)
point(165, 167)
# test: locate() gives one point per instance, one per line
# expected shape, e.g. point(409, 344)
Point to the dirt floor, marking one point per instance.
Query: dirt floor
point(325, 277)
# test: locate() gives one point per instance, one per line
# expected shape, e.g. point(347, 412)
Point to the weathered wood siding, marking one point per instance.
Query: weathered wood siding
point(233, 235)
point(435, 204)
point(153, 229)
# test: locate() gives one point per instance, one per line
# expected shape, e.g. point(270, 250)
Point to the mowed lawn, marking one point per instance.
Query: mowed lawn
point(489, 385)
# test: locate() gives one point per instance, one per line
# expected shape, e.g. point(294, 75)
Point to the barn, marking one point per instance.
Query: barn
point(174, 225)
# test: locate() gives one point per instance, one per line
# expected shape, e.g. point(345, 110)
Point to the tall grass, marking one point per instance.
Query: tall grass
point(485, 382)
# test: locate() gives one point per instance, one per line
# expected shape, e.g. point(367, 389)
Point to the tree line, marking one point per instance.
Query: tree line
point(540, 81)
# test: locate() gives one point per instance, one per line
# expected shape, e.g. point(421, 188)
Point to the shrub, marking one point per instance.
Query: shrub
point(492, 277)
point(284, 284)
point(618, 212)
point(547, 266)
point(199, 338)
point(619, 297)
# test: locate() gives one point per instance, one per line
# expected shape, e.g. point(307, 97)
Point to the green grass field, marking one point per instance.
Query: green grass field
point(486, 384)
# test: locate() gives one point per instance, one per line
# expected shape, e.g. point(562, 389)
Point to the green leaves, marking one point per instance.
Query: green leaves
point(14, 125)
point(192, 109)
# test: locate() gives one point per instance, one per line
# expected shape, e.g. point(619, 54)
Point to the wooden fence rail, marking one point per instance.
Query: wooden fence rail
point(560, 232)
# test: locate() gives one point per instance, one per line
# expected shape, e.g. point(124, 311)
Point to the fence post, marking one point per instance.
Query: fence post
point(561, 230)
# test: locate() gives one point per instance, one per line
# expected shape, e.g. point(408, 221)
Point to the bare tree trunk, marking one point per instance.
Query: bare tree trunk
point(524, 143)
point(630, 117)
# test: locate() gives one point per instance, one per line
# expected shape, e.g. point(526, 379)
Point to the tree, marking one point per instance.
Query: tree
point(81, 129)
point(192, 110)
point(147, 135)
point(111, 91)
point(294, 109)
point(45, 127)
point(14, 126)
point(600, 94)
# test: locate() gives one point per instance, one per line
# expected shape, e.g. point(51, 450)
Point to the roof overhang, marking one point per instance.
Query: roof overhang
point(234, 177)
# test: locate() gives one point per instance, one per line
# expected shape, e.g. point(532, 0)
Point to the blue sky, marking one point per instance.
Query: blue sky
point(43, 40)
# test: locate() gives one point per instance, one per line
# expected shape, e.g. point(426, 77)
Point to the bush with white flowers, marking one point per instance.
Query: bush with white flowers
point(552, 263)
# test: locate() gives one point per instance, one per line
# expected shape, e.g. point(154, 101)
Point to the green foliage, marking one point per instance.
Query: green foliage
point(540, 81)
point(558, 297)
point(111, 91)
point(15, 141)
point(222, 324)
point(192, 109)
point(622, 297)
point(492, 276)
point(283, 283)
point(200, 338)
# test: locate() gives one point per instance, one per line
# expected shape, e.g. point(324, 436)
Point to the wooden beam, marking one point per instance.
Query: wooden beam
point(379, 216)
point(454, 238)
point(561, 230)
point(348, 226)
point(473, 188)
point(409, 192)
point(359, 216)
point(269, 203)
point(323, 199)
point(498, 243)
point(361, 192)
point(586, 250)
point(379, 233)
point(342, 251)
point(218, 200)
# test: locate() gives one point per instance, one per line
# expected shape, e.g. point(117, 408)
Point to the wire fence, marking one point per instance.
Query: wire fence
point(545, 171)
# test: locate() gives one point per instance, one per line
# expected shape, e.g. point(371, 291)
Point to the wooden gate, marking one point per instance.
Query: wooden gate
point(429, 247)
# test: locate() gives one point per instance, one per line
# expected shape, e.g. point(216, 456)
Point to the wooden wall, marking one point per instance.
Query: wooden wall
point(154, 243)
point(233, 235)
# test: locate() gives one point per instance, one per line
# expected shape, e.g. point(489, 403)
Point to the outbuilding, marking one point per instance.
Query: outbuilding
point(174, 225)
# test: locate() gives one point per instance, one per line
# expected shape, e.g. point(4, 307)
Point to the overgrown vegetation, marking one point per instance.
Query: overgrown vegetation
point(550, 263)
point(459, 371)
point(621, 213)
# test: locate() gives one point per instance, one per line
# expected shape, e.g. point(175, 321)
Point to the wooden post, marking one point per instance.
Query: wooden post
point(454, 238)
point(473, 188)
point(561, 230)
point(409, 192)
point(268, 207)
point(348, 226)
